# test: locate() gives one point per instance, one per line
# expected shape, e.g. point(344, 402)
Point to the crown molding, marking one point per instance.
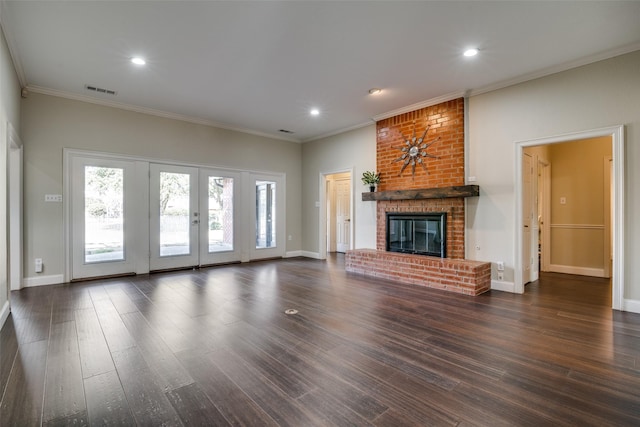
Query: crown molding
point(13, 53)
point(153, 112)
point(419, 105)
point(608, 54)
point(338, 131)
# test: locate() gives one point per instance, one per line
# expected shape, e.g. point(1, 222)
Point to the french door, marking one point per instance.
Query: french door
point(219, 204)
point(101, 217)
point(174, 217)
point(134, 216)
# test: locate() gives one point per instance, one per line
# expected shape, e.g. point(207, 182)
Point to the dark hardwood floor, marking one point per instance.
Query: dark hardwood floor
point(214, 347)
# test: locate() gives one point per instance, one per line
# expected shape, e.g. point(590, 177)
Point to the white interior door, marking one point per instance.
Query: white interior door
point(219, 207)
point(527, 216)
point(102, 214)
point(343, 215)
point(174, 218)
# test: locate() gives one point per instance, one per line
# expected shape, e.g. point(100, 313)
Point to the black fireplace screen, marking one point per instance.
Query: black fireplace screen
point(423, 234)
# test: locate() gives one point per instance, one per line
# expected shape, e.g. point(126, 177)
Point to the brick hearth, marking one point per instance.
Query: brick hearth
point(455, 275)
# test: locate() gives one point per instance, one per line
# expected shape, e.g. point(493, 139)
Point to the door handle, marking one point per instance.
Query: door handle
point(195, 222)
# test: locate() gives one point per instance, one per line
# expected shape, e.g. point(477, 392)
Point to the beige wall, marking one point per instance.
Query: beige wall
point(9, 113)
point(51, 124)
point(350, 150)
point(594, 96)
point(577, 227)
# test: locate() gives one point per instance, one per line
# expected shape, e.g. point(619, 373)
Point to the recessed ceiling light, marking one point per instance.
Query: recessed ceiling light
point(138, 61)
point(314, 112)
point(374, 91)
point(471, 52)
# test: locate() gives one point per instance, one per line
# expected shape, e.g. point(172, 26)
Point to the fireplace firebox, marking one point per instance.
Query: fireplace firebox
point(417, 233)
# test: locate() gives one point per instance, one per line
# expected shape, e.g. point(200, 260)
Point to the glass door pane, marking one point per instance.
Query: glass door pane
point(265, 214)
point(174, 211)
point(220, 218)
point(103, 214)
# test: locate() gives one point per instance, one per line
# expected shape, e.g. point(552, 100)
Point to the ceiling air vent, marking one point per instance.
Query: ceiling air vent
point(100, 90)
point(286, 131)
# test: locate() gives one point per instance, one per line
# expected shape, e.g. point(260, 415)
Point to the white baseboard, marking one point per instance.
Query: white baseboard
point(293, 254)
point(54, 279)
point(314, 255)
point(499, 285)
point(582, 271)
point(631, 305)
point(4, 313)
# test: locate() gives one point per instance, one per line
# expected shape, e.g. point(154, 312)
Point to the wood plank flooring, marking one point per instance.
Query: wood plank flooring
point(214, 347)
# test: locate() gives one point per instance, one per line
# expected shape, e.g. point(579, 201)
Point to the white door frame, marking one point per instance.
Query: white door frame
point(322, 204)
point(545, 248)
point(617, 141)
point(15, 209)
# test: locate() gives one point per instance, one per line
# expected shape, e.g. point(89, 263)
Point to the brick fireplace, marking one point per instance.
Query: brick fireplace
point(438, 189)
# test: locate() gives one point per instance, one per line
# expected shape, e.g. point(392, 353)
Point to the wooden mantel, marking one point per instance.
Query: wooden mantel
point(424, 193)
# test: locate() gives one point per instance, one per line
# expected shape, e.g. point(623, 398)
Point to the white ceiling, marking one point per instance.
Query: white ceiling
point(260, 66)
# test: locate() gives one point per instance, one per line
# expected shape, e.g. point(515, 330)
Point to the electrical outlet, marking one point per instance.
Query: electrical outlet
point(500, 275)
point(290, 237)
point(500, 265)
point(38, 265)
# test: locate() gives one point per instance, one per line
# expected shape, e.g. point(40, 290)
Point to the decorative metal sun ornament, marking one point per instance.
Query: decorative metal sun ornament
point(414, 151)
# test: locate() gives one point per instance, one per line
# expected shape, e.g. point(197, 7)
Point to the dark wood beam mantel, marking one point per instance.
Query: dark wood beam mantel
point(424, 193)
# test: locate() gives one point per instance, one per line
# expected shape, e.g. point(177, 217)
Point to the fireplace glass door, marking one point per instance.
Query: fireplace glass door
point(423, 234)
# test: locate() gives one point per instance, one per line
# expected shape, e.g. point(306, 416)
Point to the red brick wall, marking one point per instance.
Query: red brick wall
point(446, 122)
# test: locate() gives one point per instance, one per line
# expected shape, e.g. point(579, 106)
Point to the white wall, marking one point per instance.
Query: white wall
point(52, 123)
point(9, 113)
point(354, 150)
point(602, 94)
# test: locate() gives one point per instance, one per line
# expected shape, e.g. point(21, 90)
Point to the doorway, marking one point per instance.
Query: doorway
point(616, 135)
point(336, 212)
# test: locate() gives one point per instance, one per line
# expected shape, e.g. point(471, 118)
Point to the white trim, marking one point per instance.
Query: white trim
point(4, 313)
point(154, 112)
point(581, 271)
point(13, 52)
point(579, 226)
point(557, 69)
point(15, 208)
point(308, 254)
point(617, 141)
point(497, 285)
point(423, 104)
point(631, 305)
point(292, 254)
point(339, 131)
point(54, 279)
